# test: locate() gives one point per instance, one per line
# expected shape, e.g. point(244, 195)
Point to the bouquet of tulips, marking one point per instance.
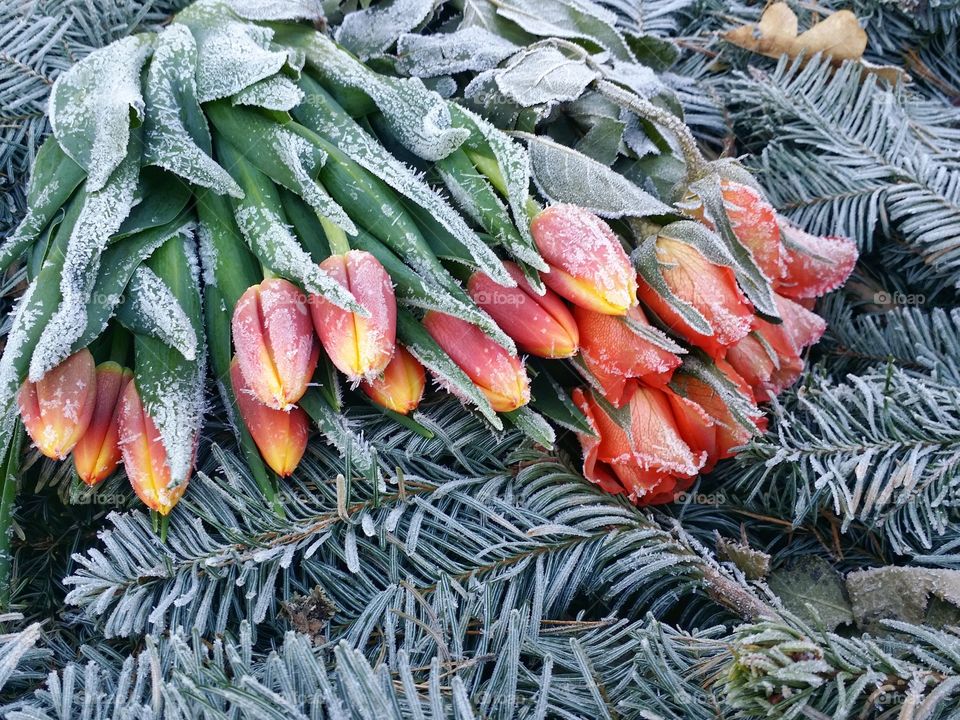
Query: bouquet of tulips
point(285, 212)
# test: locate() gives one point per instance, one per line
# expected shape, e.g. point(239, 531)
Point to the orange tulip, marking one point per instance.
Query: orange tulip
point(587, 263)
point(540, 325)
point(144, 456)
point(615, 354)
point(640, 454)
point(498, 374)
point(57, 409)
point(360, 347)
point(276, 348)
point(97, 454)
point(401, 386)
point(814, 265)
point(280, 436)
point(710, 289)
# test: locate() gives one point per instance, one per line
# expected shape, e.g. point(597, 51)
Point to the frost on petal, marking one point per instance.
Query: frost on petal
point(91, 103)
point(171, 94)
point(273, 93)
point(159, 312)
point(815, 265)
point(100, 217)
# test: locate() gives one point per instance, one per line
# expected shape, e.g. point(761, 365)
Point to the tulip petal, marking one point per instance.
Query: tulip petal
point(97, 454)
point(401, 386)
point(814, 265)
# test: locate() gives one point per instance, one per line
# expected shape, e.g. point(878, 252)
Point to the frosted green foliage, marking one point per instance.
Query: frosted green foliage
point(471, 49)
point(91, 106)
point(232, 54)
point(102, 213)
point(273, 93)
point(544, 76)
point(367, 33)
point(26, 314)
point(159, 313)
point(277, 9)
point(566, 176)
point(171, 94)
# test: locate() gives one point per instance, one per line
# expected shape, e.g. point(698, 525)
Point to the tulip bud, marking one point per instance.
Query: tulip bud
point(276, 348)
point(281, 436)
point(754, 222)
point(360, 347)
point(640, 452)
point(144, 456)
point(401, 386)
point(56, 409)
point(710, 289)
point(540, 325)
point(97, 454)
point(814, 265)
point(614, 353)
point(498, 374)
point(587, 263)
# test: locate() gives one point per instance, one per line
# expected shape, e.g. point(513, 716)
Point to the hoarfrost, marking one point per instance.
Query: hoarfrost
point(471, 49)
point(171, 84)
point(369, 32)
point(161, 313)
point(208, 255)
point(277, 9)
point(25, 316)
point(274, 93)
point(90, 106)
point(544, 75)
point(102, 213)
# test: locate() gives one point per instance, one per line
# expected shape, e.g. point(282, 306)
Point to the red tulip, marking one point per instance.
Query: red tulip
point(540, 325)
point(814, 265)
point(498, 374)
point(640, 454)
point(587, 263)
point(57, 409)
point(276, 348)
point(360, 347)
point(615, 354)
point(280, 436)
point(710, 289)
point(144, 456)
point(97, 454)
point(754, 222)
point(401, 386)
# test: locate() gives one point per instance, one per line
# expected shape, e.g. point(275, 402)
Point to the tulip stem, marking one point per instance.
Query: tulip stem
point(119, 346)
point(696, 163)
point(11, 470)
point(336, 237)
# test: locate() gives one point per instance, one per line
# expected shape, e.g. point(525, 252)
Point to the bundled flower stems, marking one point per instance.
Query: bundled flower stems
point(273, 220)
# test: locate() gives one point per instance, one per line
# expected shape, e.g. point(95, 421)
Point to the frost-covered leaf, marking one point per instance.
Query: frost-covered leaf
point(812, 589)
point(533, 425)
point(277, 9)
point(274, 93)
point(565, 175)
point(369, 32)
point(232, 55)
point(91, 105)
point(418, 117)
point(175, 133)
point(100, 217)
point(471, 49)
point(171, 387)
point(544, 75)
point(323, 115)
point(151, 308)
point(53, 179)
point(338, 431)
point(908, 594)
point(572, 19)
point(639, 78)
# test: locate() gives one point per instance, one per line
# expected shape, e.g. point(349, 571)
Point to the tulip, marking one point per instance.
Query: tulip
point(702, 402)
point(814, 265)
point(281, 436)
point(709, 289)
point(587, 263)
point(360, 347)
point(276, 348)
point(754, 222)
point(57, 409)
point(493, 369)
point(640, 453)
point(144, 456)
point(615, 354)
point(97, 454)
point(401, 386)
point(540, 325)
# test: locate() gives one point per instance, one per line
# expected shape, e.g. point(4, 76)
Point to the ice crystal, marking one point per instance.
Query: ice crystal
point(369, 32)
point(160, 312)
point(471, 49)
point(277, 9)
point(273, 93)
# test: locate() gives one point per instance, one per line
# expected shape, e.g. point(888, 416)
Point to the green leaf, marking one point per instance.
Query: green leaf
point(533, 425)
point(150, 308)
point(160, 198)
point(544, 76)
point(470, 49)
point(555, 402)
point(812, 589)
point(371, 31)
point(227, 262)
point(176, 136)
point(336, 428)
point(53, 179)
point(278, 93)
point(92, 103)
